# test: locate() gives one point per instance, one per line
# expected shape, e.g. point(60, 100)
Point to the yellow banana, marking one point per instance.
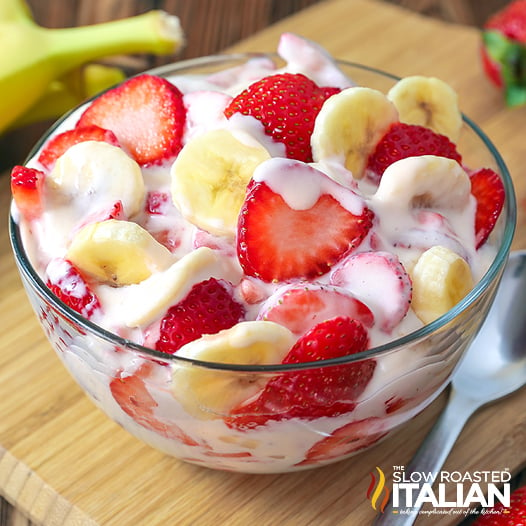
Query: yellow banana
point(69, 91)
point(41, 55)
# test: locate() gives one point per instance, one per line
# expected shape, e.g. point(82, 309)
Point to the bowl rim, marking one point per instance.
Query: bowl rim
point(493, 272)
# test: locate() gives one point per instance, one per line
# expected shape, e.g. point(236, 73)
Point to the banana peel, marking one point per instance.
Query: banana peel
point(43, 56)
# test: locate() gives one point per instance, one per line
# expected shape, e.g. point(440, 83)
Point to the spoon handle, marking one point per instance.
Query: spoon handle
point(432, 454)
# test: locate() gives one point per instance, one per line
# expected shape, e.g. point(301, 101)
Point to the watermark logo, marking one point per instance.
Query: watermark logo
point(445, 492)
point(375, 490)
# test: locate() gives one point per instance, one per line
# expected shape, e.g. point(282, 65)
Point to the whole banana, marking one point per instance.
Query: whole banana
point(34, 56)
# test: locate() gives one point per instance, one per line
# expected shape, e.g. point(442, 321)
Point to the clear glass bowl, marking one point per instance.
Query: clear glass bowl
point(410, 372)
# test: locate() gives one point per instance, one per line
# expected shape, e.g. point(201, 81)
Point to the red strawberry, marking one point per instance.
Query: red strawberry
point(277, 242)
point(26, 187)
point(67, 283)
point(157, 203)
point(514, 515)
point(61, 142)
point(346, 440)
point(313, 393)
point(287, 105)
point(408, 140)
point(131, 393)
point(207, 309)
point(487, 187)
point(300, 307)
point(147, 115)
point(503, 51)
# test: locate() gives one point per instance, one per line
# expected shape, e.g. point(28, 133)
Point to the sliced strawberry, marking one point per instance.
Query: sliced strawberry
point(277, 242)
point(318, 392)
point(300, 307)
point(61, 142)
point(26, 188)
point(157, 203)
point(500, 515)
point(132, 395)
point(68, 284)
point(348, 439)
point(147, 115)
point(487, 187)
point(287, 105)
point(381, 281)
point(408, 140)
point(207, 309)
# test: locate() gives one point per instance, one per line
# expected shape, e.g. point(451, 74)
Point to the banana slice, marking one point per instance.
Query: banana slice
point(98, 173)
point(430, 102)
point(117, 252)
point(148, 300)
point(209, 178)
point(211, 393)
point(349, 126)
point(426, 180)
point(441, 278)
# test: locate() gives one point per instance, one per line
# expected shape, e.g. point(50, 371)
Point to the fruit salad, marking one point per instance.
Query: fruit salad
point(247, 225)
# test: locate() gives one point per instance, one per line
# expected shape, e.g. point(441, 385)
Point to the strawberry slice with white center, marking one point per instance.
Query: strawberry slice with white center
point(131, 392)
point(26, 188)
point(313, 393)
point(348, 439)
point(147, 115)
point(380, 280)
point(68, 284)
point(296, 222)
point(61, 142)
point(300, 307)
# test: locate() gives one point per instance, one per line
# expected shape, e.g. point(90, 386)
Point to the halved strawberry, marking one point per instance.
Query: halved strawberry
point(278, 242)
point(287, 105)
point(381, 281)
point(147, 115)
point(131, 393)
point(68, 284)
point(61, 142)
point(351, 437)
point(300, 307)
point(26, 188)
point(487, 187)
point(408, 140)
point(318, 392)
point(207, 309)
point(500, 515)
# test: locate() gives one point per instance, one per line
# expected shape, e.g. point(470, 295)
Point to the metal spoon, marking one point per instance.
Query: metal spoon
point(494, 366)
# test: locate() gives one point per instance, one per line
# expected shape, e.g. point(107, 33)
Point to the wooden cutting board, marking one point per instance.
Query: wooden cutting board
point(63, 462)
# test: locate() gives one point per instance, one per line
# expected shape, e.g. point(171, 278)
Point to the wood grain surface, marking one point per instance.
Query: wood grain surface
point(62, 462)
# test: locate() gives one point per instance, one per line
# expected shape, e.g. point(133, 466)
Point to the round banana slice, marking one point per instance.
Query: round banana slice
point(117, 252)
point(210, 176)
point(349, 126)
point(425, 180)
point(441, 278)
point(430, 102)
point(95, 172)
point(212, 393)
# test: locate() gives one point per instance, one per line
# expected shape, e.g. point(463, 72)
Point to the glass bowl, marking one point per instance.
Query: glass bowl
point(134, 385)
